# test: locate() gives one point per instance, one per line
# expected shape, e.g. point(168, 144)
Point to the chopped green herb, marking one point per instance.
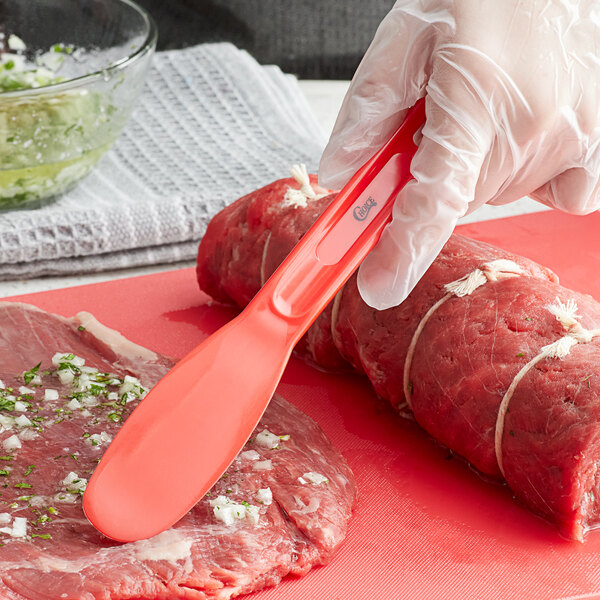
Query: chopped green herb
point(528, 319)
point(22, 485)
point(244, 503)
point(4, 473)
point(6, 457)
point(86, 435)
point(43, 536)
point(52, 510)
point(114, 417)
point(29, 375)
point(74, 456)
point(81, 328)
point(520, 354)
point(6, 404)
point(67, 366)
point(29, 470)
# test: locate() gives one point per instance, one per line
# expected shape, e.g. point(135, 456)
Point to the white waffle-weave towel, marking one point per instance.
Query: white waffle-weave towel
point(211, 125)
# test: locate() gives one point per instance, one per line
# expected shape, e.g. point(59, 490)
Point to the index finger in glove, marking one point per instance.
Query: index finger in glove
point(446, 167)
point(390, 79)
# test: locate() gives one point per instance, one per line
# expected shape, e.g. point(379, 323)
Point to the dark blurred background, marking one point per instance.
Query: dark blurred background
point(314, 39)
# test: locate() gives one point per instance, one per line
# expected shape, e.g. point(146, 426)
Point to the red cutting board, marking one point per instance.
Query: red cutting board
point(426, 526)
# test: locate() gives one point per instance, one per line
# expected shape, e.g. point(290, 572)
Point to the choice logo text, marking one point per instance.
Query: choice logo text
point(362, 212)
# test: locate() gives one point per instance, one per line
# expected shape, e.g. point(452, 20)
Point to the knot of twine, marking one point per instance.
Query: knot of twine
point(575, 333)
point(495, 270)
point(298, 198)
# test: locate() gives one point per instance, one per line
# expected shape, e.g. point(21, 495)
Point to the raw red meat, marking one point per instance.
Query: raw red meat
point(546, 445)
point(236, 540)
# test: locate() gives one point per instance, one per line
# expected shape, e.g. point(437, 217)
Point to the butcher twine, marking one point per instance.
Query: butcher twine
point(567, 316)
point(297, 198)
point(495, 270)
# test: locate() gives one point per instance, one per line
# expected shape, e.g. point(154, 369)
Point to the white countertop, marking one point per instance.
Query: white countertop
point(324, 98)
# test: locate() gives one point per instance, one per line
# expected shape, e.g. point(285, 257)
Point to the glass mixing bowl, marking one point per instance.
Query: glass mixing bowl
point(71, 72)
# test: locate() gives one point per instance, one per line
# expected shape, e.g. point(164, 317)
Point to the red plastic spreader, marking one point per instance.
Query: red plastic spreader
point(193, 423)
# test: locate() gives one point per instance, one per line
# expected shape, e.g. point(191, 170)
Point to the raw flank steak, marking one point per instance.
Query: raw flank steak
point(66, 386)
point(489, 353)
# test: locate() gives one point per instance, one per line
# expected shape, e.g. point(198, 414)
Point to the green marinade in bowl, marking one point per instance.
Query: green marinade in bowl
point(63, 105)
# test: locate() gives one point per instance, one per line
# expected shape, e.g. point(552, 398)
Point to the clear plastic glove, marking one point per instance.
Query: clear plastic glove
point(513, 109)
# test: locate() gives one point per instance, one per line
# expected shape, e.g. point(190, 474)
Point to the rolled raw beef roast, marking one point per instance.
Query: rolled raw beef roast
point(490, 354)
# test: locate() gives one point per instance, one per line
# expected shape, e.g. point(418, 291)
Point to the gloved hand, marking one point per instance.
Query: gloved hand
point(513, 109)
